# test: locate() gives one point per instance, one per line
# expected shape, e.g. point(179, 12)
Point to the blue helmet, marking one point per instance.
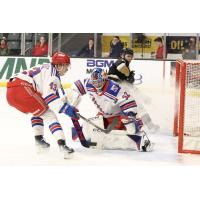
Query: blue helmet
point(98, 78)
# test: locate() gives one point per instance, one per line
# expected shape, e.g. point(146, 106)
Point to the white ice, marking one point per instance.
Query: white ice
point(17, 140)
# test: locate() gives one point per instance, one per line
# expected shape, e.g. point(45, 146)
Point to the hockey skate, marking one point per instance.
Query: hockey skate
point(142, 142)
point(68, 152)
point(41, 144)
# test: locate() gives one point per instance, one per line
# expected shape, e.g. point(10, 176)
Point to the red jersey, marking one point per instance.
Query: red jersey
point(40, 50)
point(159, 52)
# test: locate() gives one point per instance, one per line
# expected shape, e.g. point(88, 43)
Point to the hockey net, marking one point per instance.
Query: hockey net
point(187, 106)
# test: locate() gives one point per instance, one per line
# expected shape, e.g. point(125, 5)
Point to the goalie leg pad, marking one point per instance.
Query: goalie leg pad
point(133, 125)
point(116, 139)
point(149, 124)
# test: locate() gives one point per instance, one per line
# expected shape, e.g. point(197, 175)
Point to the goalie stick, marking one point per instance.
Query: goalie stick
point(106, 131)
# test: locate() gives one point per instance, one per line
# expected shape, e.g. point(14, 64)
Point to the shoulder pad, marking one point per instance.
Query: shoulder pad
point(119, 61)
point(125, 61)
point(113, 88)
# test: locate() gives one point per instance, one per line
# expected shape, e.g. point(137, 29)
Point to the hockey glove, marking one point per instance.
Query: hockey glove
point(131, 77)
point(71, 111)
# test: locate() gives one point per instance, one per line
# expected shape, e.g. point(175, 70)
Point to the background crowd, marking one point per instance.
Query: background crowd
point(11, 44)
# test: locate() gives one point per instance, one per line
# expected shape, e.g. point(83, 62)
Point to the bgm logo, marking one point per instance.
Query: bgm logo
point(99, 63)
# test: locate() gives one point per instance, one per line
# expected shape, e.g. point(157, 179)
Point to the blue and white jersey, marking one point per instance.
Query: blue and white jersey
point(111, 101)
point(45, 80)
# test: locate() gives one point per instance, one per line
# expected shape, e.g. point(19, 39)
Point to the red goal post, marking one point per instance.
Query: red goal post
point(187, 106)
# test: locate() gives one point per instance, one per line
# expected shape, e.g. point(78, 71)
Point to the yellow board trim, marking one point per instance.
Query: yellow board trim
point(3, 84)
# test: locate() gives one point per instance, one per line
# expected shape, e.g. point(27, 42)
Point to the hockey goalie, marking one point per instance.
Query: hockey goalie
point(112, 102)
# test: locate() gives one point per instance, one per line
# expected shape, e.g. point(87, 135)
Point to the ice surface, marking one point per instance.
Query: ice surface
point(17, 140)
point(17, 146)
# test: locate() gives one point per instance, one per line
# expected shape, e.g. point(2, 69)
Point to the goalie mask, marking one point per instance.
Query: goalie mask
point(98, 78)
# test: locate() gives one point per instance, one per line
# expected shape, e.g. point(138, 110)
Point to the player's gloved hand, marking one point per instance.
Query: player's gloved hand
point(130, 114)
point(131, 77)
point(71, 111)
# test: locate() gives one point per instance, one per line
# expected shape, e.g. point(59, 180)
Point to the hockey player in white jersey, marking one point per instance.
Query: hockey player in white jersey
point(37, 91)
point(113, 101)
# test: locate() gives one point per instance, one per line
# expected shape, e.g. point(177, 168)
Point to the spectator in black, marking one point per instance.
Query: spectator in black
point(88, 50)
point(116, 47)
point(4, 51)
point(189, 51)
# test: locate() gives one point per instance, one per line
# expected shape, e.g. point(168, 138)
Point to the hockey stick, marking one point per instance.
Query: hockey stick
point(138, 80)
point(106, 131)
point(81, 136)
point(79, 131)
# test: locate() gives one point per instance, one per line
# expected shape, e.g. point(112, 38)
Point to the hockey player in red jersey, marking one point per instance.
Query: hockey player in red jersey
point(37, 91)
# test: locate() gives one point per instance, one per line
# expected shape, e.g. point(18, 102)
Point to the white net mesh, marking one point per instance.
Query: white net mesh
point(192, 107)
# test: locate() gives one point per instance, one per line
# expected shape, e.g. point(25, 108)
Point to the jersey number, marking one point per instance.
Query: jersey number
point(53, 86)
point(126, 95)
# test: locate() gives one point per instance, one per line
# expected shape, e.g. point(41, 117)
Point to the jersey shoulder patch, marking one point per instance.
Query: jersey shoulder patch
point(113, 88)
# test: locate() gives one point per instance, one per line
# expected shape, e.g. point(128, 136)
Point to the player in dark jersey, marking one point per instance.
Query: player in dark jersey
point(120, 70)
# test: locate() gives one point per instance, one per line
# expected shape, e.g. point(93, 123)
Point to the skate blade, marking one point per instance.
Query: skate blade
point(40, 150)
point(68, 155)
point(150, 147)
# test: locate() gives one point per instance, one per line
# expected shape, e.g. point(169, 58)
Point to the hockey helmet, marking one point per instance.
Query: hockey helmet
point(60, 58)
point(127, 51)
